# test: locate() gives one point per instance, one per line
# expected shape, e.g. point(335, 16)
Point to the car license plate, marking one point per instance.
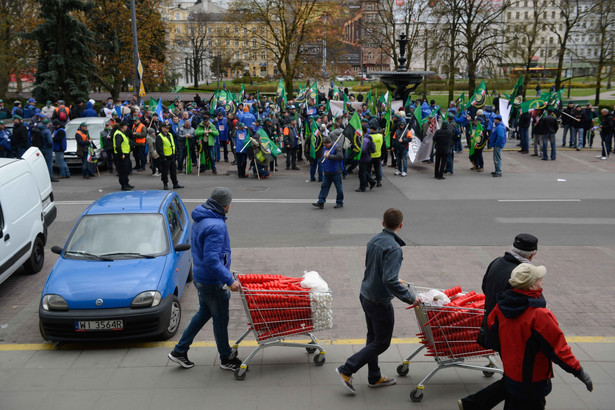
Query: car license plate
point(94, 325)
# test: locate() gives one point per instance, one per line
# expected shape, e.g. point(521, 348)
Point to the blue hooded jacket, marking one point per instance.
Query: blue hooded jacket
point(211, 245)
point(89, 110)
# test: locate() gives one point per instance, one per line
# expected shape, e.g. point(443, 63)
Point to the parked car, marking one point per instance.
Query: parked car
point(122, 271)
point(95, 126)
point(26, 211)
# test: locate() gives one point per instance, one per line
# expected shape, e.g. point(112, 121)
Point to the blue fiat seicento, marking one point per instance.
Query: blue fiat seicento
point(122, 271)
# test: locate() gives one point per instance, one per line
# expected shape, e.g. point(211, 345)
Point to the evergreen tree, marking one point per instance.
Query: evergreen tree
point(64, 62)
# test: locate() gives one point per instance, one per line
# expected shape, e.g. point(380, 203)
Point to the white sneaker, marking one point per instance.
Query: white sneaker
point(397, 173)
point(604, 158)
point(403, 174)
point(599, 156)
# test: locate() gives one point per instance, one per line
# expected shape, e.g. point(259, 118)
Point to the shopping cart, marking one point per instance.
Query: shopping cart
point(449, 334)
point(275, 314)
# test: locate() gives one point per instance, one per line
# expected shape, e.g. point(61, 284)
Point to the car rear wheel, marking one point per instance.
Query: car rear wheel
point(34, 264)
point(175, 316)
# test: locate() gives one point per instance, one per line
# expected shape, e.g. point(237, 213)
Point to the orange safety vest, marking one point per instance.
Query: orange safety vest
point(139, 130)
point(84, 137)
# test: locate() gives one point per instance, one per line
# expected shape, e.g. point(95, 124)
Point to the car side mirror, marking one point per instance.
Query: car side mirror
point(56, 249)
point(182, 247)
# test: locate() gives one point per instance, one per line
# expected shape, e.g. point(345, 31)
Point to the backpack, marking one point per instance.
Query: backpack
point(62, 114)
point(36, 137)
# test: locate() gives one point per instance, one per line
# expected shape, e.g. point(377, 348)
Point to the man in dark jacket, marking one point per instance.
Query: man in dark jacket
point(495, 281)
point(211, 252)
point(332, 164)
point(531, 340)
point(443, 140)
point(606, 133)
point(525, 120)
point(165, 147)
point(380, 285)
point(367, 149)
point(567, 122)
point(549, 128)
point(20, 137)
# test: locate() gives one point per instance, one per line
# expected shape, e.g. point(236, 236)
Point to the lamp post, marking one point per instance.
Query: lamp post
point(135, 50)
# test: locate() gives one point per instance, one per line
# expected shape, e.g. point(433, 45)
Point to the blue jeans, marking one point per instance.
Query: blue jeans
point(327, 180)
point(546, 139)
point(48, 154)
point(64, 171)
point(315, 165)
point(380, 321)
point(497, 159)
point(212, 157)
point(85, 166)
point(402, 160)
point(213, 303)
point(524, 136)
point(567, 129)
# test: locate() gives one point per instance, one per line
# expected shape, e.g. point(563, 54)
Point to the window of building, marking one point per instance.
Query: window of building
point(553, 15)
point(253, 55)
point(236, 56)
point(550, 53)
point(228, 42)
point(550, 40)
point(228, 31)
point(245, 42)
point(245, 55)
point(210, 43)
point(178, 30)
point(209, 30)
point(263, 55)
point(236, 30)
point(253, 42)
point(236, 43)
point(245, 31)
point(176, 16)
point(518, 15)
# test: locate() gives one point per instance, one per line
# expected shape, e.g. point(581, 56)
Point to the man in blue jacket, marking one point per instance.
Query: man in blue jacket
point(211, 253)
point(497, 141)
point(332, 163)
point(380, 284)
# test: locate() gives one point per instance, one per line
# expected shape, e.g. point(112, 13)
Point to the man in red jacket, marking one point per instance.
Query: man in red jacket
point(530, 340)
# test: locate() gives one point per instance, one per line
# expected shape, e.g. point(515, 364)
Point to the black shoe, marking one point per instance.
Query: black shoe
point(126, 188)
point(181, 359)
point(338, 206)
point(230, 364)
point(233, 163)
point(215, 172)
point(295, 169)
point(440, 177)
point(130, 186)
point(534, 155)
point(318, 205)
point(177, 186)
point(378, 184)
point(496, 175)
point(287, 168)
point(372, 184)
point(359, 190)
point(165, 187)
point(55, 180)
point(545, 159)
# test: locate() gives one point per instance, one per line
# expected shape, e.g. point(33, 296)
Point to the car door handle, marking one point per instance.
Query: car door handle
point(7, 237)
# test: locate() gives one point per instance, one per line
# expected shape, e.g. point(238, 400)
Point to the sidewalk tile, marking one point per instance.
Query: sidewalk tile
point(295, 396)
point(145, 357)
point(52, 359)
point(73, 399)
point(284, 375)
point(26, 380)
point(19, 400)
point(136, 399)
point(599, 399)
point(100, 358)
point(15, 359)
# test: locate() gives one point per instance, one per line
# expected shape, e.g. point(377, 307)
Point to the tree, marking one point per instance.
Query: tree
point(112, 49)
point(571, 15)
point(390, 21)
point(65, 42)
point(286, 29)
point(12, 25)
point(447, 13)
point(479, 34)
point(196, 44)
point(523, 44)
point(602, 25)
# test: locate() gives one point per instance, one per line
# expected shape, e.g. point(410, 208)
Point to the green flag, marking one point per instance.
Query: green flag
point(531, 105)
point(479, 97)
point(555, 99)
point(315, 140)
point(418, 114)
point(517, 89)
point(214, 102)
point(354, 133)
point(188, 159)
point(243, 92)
point(171, 107)
point(461, 100)
point(387, 131)
point(314, 93)
point(476, 136)
point(268, 146)
point(152, 104)
point(336, 93)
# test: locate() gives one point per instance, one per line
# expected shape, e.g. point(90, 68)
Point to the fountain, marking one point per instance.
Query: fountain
point(398, 82)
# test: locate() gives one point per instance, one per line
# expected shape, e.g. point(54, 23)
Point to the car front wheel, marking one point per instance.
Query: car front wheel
point(34, 264)
point(175, 315)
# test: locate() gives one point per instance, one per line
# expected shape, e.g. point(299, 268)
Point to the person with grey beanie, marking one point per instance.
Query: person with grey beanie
point(211, 253)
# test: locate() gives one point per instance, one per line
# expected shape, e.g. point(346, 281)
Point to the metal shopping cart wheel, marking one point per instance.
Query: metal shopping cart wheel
point(416, 395)
point(320, 359)
point(311, 350)
point(240, 374)
point(403, 369)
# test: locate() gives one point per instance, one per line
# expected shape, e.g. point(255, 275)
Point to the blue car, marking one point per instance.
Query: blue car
point(122, 271)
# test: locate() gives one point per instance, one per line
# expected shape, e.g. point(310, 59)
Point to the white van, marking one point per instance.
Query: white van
point(26, 211)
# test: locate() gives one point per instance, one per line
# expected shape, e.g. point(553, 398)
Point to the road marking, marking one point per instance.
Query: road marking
point(248, 343)
point(200, 201)
point(560, 221)
point(539, 200)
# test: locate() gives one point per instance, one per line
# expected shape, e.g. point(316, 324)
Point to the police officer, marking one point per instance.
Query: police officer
point(165, 147)
point(121, 150)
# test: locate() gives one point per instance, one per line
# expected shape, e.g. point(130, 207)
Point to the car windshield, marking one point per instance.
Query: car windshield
point(95, 129)
point(118, 236)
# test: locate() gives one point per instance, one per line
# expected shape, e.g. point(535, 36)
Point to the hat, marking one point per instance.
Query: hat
point(445, 122)
point(222, 195)
point(136, 118)
point(165, 125)
point(56, 122)
point(525, 275)
point(17, 117)
point(246, 109)
point(326, 140)
point(267, 119)
point(450, 115)
point(31, 100)
point(498, 117)
point(526, 242)
point(125, 122)
point(83, 124)
point(48, 102)
point(241, 125)
point(114, 113)
point(16, 102)
point(257, 120)
point(46, 121)
point(292, 107)
point(479, 112)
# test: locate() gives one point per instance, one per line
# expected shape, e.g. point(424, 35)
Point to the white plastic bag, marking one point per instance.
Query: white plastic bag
point(313, 281)
point(434, 297)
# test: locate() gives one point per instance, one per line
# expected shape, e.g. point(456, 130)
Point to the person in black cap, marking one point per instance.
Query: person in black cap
point(121, 151)
point(496, 280)
point(165, 147)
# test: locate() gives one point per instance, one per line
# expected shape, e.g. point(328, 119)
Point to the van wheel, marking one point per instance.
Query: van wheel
point(35, 263)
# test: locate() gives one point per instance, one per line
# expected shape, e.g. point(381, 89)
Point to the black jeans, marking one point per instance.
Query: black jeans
point(242, 159)
point(123, 168)
point(167, 165)
point(376, 165)
point(440, 164)
point(364, 177)
point(380, 319)
point(487, 398)
point(291, 157)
